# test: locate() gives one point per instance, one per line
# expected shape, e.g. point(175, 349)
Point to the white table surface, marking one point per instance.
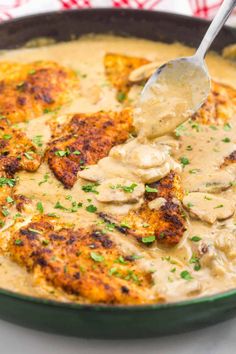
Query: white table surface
point(219, 339)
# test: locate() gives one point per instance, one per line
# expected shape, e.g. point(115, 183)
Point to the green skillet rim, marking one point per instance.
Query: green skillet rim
point(111, 308)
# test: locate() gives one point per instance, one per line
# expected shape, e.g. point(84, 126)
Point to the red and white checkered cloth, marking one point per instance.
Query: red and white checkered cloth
point(202, 8)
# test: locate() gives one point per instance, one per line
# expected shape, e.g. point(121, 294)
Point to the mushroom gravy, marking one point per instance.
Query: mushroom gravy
point(196, 151)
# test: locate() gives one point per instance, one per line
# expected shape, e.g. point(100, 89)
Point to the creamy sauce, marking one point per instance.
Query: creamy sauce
point(171, 98)
point(136, 162)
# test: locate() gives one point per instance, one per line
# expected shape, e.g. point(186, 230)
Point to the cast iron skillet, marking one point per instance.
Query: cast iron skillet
point(107, 321)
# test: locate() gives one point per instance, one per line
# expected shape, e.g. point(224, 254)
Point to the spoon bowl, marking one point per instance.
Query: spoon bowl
point(177, 89)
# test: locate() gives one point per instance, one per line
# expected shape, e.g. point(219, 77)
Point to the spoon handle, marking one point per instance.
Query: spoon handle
point(216, 25)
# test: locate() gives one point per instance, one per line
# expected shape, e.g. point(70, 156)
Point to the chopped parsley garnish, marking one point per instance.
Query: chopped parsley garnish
point(121, 96)
point(207, 198)
point(190, 205)
point(195, 238)
point(77, 152)
point(18, 242)
point(45, 179)
point(37, 140)
point(186, 275)
point(32, 72)
point(53, 215)
point(213, 127)
point(195, 125)
point(39, 207)
point(90, 188)
point(126, 189)
point(132, 276)
point(96, 257)
point(135, 256)
point(227, 127)
point(179, 131)
point(194, 170)
point(62, 153)
point(150, 190)
point(28, 155)
point(9, 200)
point(59, 206)
point(125, 224)
point(120, 260)
point(184, 161)
point(219, 206)
point(226, 140)
point(7, 136)
point(45, 242)
point(196, 261)
point(35, 231)
point(5, 211)
point(149, 239)
point(91, 208)
point(7, 181)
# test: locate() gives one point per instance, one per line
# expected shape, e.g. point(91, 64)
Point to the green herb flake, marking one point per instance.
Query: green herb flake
point(45, 179)
point(28, 155)
point(32, 72)
point(150, 190)
point(7, 181)
point(62, 153)
point(91, 208)
point(58, 205)
point(190, 205)
point(186, 275)
point(9, 200)
point(219, 206)
point(90, 188)
point(196, 238)
point(45, 242)
point(179, 131)
point(39, 207)
point(7, 136)
point(18, 242)
point(194, 171)
point(149, 239)
point(76, 152)
point(227, 127)
point(121, 96)
point(120, 260)
point(126, 189)
point(5, 211)
point(37, 140)
point(226, 140)
point(96, 257)
point(184, 161)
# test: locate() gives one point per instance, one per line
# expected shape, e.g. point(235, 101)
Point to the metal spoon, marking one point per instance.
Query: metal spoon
point(187, 70)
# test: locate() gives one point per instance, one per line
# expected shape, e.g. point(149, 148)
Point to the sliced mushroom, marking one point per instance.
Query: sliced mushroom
point(208, 207)
point(141, 155)
point(119, 191)
point(144, 71)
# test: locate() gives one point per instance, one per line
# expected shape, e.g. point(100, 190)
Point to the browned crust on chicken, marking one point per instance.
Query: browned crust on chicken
point(219, 107)
point(29, 90)
point(118, 67)
point(17, 152)
point(167, 224)
point(82, 262)
point(87, 138)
